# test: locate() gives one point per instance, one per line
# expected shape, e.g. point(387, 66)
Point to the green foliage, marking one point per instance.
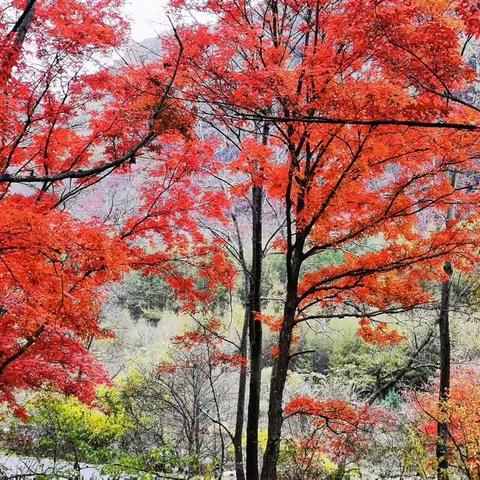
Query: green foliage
point(323, 259)
point(65, 429)
point(146, 297)
point(275, 267)
point(393, 400)
point(150, 463)
point(363, 364)
point(414, 453)
point(343, 356)
point(68, 429)
point(319, 360)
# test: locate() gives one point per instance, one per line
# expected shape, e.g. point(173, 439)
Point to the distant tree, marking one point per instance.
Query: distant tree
point(184, 402)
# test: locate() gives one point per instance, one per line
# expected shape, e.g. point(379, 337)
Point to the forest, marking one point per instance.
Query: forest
point(246, 248)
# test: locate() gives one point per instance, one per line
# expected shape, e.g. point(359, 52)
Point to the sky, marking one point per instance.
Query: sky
point(147, 16)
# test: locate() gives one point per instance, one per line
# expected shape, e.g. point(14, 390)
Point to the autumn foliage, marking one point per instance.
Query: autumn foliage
point(344, 183)
point(364, 127)
point(67, 120)
point(338, 429)
point(53, 269)
point(461, 414)
point(350, 119)
point(204, 346)
point(379, 334)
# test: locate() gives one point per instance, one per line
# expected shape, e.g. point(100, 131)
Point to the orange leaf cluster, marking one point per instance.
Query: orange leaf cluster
point(205, 345)
point(274, 324)
point(60, 118)
point(339, 428)
point(381, 334)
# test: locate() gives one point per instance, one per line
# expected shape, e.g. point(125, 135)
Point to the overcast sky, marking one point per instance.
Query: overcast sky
point(147, 16)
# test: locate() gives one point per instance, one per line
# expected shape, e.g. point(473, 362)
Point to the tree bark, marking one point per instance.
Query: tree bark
point(255, 336)
point(275, 412)
point(240, 414)
point(22, 25)
point(243, 350)
point(441, 448)
point(280, 370)
point(293, 259)
point(255, 327)
point(444, 330)
point(277, 387)
point(16, 36)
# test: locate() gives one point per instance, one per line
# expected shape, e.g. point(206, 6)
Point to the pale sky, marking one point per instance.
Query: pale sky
point(147, 16)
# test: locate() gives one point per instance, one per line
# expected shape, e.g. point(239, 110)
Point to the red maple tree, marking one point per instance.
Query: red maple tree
point(365, 124)
point(69, 117)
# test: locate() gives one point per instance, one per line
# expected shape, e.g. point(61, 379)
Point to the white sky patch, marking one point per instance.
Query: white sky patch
point(148, 18)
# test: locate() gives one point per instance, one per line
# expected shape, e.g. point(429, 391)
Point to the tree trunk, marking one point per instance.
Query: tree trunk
point(277, 387)
point(280, 369)
point(255, 328)
point(242, 379)
point(441, 449)
point(444, 329)
point(17, 35)
point(294, 259)
point(240, 415)
point(22, 25)
point(255, 336)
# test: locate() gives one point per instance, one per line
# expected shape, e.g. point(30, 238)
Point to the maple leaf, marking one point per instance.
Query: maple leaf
point(381, 334)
